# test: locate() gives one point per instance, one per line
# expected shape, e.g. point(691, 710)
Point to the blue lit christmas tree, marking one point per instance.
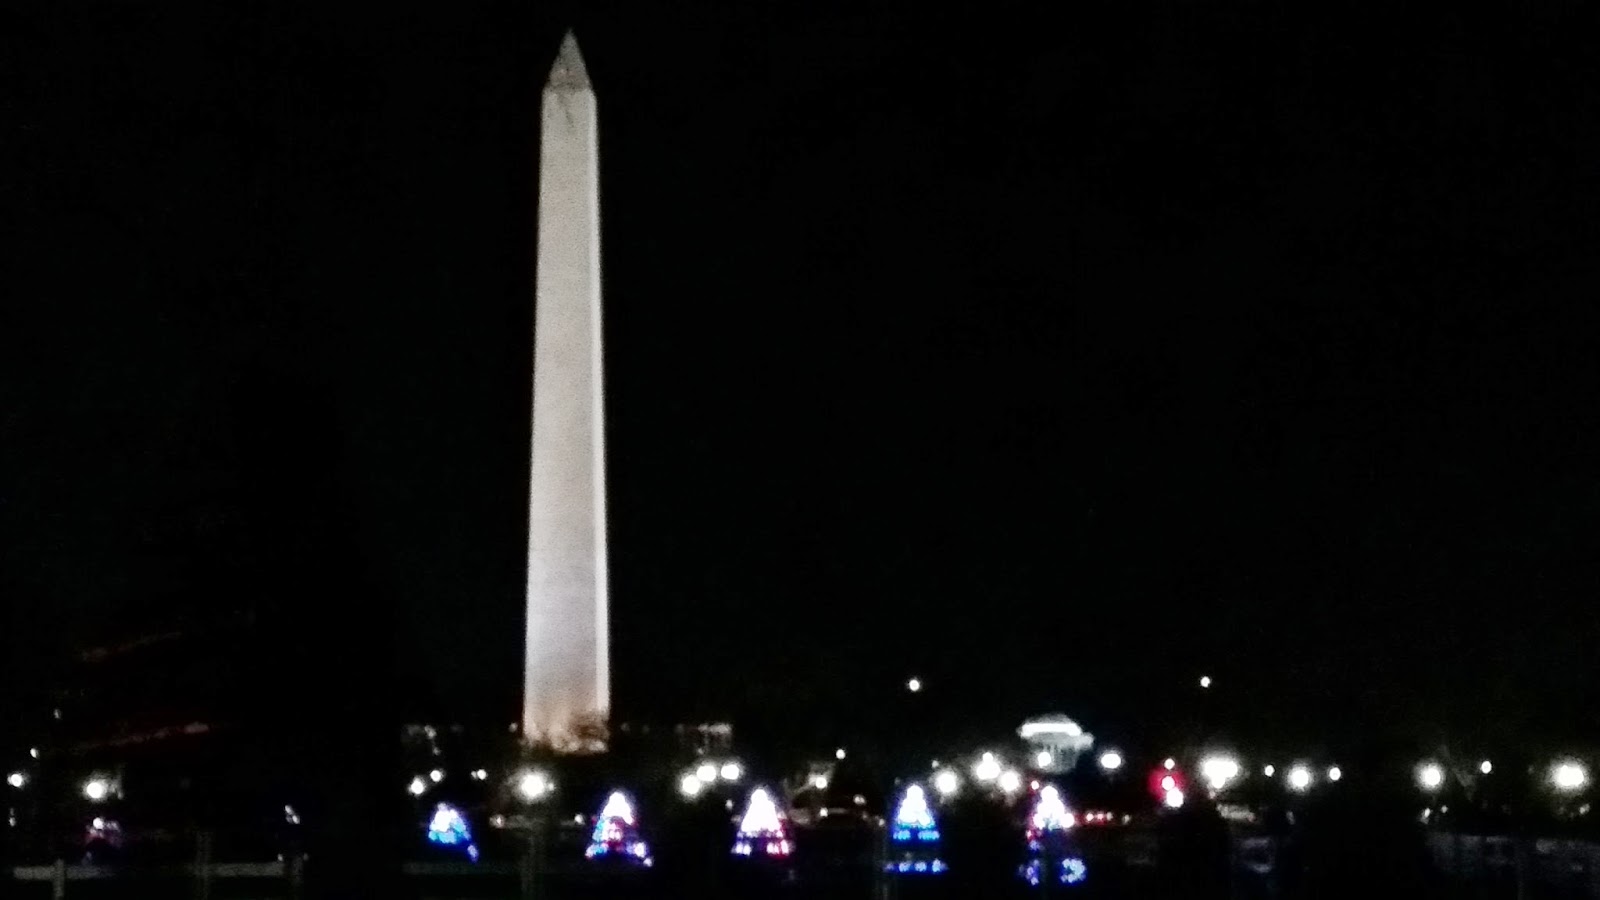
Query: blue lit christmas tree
point(448, 828)
point(914, 836)
point(615, 838)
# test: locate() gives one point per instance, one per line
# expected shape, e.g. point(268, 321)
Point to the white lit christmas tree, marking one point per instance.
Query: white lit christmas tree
point(762, 829)
point(615, 837)
point(1049, 848)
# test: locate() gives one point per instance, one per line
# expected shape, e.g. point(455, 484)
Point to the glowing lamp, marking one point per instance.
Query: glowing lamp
point(1569, 776)
point(987, 769)
point(1430, 776)
point(1299, 778)
point(533, 785)
point(1010, 781)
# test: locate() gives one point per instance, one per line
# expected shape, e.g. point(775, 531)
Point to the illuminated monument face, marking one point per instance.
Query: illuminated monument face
point(567, 678)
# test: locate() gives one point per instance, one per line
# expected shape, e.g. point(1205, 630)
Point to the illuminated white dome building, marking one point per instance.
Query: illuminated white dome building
point(1055, 742)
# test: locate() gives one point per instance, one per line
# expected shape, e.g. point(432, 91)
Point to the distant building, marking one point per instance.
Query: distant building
point(1055, 741)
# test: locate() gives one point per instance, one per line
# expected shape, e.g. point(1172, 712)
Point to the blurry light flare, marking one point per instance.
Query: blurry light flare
point(1299, 777)
point(839, 753)
point(1169, 764)
point(1173, 798)
point(1269, 771)
point(987, 769)
point(1335, 773)
point(533, 784)
point(690, 785)
point(33, 752)
point(820, 782)
point(1169, 783)
point(914, 685)
point(1051, 813)
point(436, 776)
point(731, 771)
point(1219, 770)
point(1569, 776)
point(1111, 761)
point(617, 807)
point(1043, 759)
point(1430, 776)
point(706, 773)
point(417, 787)
point(96, 789)
point(760, 815)
point(1486, 767)
point(913, 812)
point(1010, 781)
point(480, 774)
point(16, 779)
point(946, 782)
point(1205, 681)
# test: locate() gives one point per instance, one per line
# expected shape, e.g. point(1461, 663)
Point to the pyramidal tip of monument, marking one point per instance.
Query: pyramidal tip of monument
point(568, 71)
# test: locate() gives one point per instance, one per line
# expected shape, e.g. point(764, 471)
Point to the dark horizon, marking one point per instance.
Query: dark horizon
point(1054, 366)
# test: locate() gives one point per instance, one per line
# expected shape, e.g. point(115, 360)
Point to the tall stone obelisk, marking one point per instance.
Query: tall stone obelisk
point(567, 678)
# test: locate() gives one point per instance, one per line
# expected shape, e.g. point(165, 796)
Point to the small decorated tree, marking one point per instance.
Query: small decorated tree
point(616, 838)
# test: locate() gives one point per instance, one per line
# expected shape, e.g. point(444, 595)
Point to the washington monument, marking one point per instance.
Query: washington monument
point(567, 676)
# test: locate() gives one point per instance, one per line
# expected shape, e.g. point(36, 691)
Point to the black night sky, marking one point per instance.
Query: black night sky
point(1056, 361)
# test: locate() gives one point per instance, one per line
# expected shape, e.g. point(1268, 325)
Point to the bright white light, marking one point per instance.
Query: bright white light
point(1010, 781)
point(617, 807)
point(1299, 778)
point(533, 785)
point(760, 815)
point(417, 787)
point(946, 782)
point(1486, 767)
point(819, 781)
point(1335, 773)
point(1569, 776)
point(839, 753)
point(987, 769)
point(1111, 760)
point(1219, 770)
point(1173, 798)
point(436, 776)
point(1169, 764)
point(690, 785)
point(1205, 681)
point(914, 685)
point(480, 774)
point(1051, 814)
point(1066, 727)
point(1430, 776)
point(1168, 783)
point(16, 779)
point(913, 810)
point(1044, 759)
point(731, 771)
point(33, 752)
point(1269, 771)
point(706, 773)
point(96, 789)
